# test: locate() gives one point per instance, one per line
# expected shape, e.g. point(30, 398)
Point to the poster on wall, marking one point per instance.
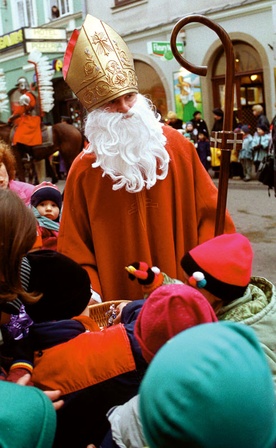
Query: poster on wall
point(187, 94)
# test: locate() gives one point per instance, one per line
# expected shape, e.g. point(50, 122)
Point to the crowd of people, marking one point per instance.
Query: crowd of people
point(192, 339)
point(245, 162)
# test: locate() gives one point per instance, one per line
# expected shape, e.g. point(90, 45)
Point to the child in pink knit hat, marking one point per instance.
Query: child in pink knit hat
point(169, 309)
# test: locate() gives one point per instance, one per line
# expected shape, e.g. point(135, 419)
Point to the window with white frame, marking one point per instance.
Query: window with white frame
point(24, 13)
point(59, 8)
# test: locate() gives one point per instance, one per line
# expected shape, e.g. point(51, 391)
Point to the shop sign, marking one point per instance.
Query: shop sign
point(163, 49)
point(11, 40)
point(46, 40)
point(46, 46)
point(44, 33)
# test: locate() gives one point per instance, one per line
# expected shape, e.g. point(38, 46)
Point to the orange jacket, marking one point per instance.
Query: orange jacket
point(88, 359)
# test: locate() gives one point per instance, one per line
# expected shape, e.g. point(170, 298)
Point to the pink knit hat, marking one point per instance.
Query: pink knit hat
point(222, 265)
point(169, 310)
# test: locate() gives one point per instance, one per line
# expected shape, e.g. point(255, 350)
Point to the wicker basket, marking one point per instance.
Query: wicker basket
point(99, 311)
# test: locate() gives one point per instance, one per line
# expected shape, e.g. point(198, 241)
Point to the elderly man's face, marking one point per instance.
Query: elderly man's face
point(121, 104)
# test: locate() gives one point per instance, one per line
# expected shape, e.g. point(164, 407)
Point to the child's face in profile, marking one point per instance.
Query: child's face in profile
point(49, 209)
point(4, 177)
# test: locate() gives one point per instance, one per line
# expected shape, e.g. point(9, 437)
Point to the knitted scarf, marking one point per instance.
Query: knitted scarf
point(45, 222)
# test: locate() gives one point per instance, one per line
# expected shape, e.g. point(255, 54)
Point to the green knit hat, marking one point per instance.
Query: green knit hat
point(27, 417)
point(210, 386)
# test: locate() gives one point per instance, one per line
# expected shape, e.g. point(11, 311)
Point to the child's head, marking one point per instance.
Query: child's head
point(47, 199)
point(221, 267)
point(202, 135)
point(262, 129)
point(17, 236)
point(189, 126)
point(169, 310)
point(210, 386)
point(245, 129)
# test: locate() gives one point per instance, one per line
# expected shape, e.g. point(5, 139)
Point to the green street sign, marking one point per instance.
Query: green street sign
point(163, 49)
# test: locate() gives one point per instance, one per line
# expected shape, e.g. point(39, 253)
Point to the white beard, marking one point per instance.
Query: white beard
point(130, 148)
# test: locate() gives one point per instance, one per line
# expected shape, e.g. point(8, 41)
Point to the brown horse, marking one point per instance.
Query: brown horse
point(66, 139)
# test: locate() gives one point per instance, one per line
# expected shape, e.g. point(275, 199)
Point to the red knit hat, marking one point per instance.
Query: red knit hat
point(169, 310)
point(225, 264)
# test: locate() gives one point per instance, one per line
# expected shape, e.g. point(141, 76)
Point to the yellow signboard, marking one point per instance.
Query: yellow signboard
point(11, 39)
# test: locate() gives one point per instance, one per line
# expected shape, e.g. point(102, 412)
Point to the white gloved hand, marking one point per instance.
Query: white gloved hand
point(24, 100)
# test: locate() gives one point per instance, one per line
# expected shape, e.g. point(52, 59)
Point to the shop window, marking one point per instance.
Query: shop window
point(249, 85)
point(246, 59)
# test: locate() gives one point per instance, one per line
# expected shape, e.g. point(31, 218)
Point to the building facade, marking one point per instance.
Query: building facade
point(46, 26)
point(146, 26)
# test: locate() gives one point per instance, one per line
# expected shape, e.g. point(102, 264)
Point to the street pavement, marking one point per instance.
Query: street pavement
point(254, 214)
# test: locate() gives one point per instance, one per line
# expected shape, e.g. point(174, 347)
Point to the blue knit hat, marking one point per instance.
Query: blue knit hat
point(46, 191)
point(211, 387)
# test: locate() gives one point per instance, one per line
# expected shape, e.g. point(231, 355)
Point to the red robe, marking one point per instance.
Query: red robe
point(106, 230)
point(27, 127)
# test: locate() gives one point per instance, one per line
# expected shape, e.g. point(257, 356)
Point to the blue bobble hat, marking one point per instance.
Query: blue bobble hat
point(27, 417)
point(211, 387)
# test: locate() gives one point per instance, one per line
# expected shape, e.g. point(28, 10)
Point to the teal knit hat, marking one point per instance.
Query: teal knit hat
point(27, 417)
point(210, 387)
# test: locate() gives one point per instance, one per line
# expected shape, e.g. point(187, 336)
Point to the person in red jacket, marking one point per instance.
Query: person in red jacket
point(27, 131)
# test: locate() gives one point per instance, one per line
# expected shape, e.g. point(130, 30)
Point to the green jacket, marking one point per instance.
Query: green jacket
point(257, 309)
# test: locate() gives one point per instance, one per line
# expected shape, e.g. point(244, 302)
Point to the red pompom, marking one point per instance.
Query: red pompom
point(192, 281)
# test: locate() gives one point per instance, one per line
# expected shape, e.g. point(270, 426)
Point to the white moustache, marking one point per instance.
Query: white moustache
point(128, 115)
